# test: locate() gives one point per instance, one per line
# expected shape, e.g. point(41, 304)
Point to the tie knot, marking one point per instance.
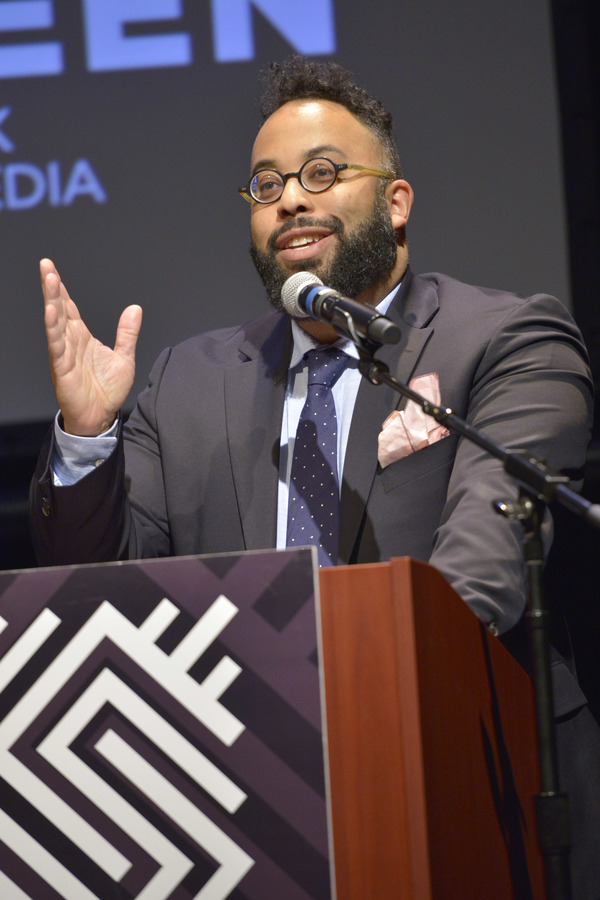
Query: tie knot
point(324, 365)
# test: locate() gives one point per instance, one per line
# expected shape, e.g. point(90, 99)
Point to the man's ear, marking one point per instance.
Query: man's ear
point(399, 196)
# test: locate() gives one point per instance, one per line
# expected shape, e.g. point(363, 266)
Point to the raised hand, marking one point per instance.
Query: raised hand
point(91, 381)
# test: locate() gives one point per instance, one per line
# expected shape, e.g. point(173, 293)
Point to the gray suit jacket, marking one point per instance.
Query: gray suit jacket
point(198, 469)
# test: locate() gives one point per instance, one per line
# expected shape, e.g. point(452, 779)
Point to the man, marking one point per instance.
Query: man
point(205, 463)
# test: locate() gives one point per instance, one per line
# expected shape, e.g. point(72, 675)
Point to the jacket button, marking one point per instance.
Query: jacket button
point(46, 509)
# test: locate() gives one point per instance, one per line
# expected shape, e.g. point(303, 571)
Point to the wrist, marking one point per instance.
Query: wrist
point(78, 430)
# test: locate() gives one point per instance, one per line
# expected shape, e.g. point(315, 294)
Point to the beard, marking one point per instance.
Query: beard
point(361, 259)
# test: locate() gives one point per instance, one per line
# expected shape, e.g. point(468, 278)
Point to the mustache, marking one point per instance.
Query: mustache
point(333, 224)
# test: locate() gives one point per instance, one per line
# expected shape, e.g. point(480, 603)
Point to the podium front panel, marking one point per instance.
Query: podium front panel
point(160, 731)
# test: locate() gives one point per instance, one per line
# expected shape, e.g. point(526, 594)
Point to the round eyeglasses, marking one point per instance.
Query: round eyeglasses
point(315, 176)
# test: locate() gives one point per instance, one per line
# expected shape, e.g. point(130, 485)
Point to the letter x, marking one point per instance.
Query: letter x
point(5, 142)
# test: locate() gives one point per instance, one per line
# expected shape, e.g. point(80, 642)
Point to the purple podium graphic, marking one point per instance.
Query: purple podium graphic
point(160, 731)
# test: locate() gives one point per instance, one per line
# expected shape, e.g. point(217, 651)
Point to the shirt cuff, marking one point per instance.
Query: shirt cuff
point(74, 457)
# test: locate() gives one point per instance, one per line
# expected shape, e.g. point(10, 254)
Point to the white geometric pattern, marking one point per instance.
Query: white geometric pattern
point(171, 672)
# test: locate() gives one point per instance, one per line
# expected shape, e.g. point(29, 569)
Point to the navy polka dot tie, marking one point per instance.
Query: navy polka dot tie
point(314, 505)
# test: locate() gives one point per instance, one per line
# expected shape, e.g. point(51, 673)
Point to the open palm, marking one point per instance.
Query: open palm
point(91, 381)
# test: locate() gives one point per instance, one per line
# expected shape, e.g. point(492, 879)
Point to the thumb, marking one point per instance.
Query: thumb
point(128, 330)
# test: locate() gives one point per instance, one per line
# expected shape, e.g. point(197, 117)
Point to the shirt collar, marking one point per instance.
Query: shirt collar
point(303, 342)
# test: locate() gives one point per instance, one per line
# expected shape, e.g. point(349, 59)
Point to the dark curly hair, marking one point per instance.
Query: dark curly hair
point(298, 78)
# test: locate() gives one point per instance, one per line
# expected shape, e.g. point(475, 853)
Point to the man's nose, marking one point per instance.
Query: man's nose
point(294, 198)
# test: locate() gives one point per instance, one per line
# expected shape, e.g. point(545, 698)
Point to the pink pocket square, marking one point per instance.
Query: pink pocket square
point(409, 430)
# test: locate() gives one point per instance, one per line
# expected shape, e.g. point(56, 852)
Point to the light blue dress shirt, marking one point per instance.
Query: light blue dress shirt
point(345, 391)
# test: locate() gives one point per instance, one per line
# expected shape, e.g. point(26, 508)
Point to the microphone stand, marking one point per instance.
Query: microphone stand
point(538, 487)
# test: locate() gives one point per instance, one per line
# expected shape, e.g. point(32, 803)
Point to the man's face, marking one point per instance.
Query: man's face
point(345, 234)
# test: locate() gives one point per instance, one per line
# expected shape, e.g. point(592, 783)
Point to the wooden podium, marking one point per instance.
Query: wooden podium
point(161, 735)
point(431, 738)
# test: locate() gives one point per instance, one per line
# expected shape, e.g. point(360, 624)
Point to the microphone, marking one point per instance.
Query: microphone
point(305, 296)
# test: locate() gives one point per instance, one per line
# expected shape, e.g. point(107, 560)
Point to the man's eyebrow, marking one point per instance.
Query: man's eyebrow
point(263, 164)
point(268, 163)
point(321, 149)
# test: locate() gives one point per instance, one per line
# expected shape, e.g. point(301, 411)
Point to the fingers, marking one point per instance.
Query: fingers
point(55, 294)
point(128, 331)
point(67, 334)
point(50, 279)
point(46, 266)
point(54, 312)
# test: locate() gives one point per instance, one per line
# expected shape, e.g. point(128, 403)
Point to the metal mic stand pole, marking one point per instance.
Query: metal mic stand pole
point(551, 804)
point(539, 487)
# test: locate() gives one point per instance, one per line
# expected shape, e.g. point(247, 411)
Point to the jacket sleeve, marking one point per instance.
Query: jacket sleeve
point(100, 518)
point(532, 390)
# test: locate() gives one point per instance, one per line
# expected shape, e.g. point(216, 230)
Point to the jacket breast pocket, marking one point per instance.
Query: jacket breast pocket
point(421, 464)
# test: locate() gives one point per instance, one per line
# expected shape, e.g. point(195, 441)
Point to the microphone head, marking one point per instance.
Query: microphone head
point(290, 293)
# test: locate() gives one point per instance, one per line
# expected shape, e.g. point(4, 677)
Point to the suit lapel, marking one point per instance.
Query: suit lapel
point(254, 397)
point(413, 309)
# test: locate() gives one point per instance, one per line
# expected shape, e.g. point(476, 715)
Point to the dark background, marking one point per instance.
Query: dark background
point(497, 114)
